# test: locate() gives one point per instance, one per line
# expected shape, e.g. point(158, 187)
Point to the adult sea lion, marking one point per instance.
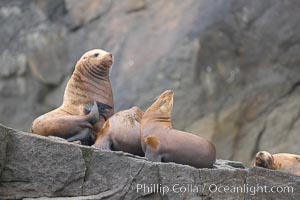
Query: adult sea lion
point(280, 161)
point(122, 132)
point(89, 83)
point(162, 143)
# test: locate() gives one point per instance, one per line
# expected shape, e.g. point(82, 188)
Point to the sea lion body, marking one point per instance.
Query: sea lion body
point(162, 143)
point(281, 161)
point(121, 132)
point(89, 83)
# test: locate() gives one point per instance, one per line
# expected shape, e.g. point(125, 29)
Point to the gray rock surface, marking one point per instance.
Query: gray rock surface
point(233, 64)
point(37, 167)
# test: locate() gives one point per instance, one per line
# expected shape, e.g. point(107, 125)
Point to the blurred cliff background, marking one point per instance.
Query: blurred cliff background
point(234, 65)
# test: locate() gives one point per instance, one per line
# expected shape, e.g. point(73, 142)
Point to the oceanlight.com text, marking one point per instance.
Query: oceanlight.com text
point(211, 188)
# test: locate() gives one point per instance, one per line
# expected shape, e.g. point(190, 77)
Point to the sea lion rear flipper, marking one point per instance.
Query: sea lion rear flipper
point(102, 110)
point(85, 136)
point(93, 116)
point(77, 142)
point(57, 138)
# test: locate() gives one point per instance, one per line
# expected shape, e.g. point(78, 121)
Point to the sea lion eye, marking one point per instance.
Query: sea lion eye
point(96, 54)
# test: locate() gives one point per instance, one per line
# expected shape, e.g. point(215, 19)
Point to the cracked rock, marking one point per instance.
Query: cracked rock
point(37, 167)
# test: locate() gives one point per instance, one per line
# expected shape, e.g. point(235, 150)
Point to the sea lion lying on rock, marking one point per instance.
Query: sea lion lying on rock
point(88, 84)
point(281, 161)
point(162, 143)
point(121, 132)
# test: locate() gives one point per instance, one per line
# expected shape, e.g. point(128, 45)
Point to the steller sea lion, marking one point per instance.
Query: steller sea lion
point(89, 83)
point(162, 143)
point(122, 132)
point(281, 161)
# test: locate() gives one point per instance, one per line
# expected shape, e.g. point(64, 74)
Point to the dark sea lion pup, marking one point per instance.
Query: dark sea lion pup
point(88, 84)
point(281, 161)
point(162, 143)
point(122, 132)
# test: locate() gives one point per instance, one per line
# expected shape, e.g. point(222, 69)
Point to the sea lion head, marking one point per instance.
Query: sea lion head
point(264, 159)
point(132, 116)
point(161, 109)
point(95, 60)
point(137, 112)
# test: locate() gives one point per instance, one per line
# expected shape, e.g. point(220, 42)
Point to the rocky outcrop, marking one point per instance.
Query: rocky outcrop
point(233, 64)
point(33, 166)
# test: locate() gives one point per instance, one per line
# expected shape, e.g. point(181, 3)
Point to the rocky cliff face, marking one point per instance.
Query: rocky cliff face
point(33, 166)
point(233, 64)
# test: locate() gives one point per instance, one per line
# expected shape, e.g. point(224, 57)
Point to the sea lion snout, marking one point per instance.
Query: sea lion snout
point(258, 161)
point(166, 99)
point(167, 93)
point(166, 96)
point(107, 59)
point(263, 159)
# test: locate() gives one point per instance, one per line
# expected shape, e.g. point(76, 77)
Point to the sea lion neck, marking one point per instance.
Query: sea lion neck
point(162, 121)
point(160, 111)
point(156, 117)
point(275, 165)
point(87, 82)
point(93, 71)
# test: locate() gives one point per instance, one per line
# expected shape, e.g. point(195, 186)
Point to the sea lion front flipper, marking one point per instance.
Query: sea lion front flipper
point(106, 146)
point(152, 156)
point(85, 136)
point(152, 146)
point(92, 112)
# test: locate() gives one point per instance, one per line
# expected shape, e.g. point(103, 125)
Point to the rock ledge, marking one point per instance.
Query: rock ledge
point(33, 166)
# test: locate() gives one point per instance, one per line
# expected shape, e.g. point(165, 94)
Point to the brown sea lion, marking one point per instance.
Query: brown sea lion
point(122, 132)
point(162, 143)
point(89, 83)
point(281, 161)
